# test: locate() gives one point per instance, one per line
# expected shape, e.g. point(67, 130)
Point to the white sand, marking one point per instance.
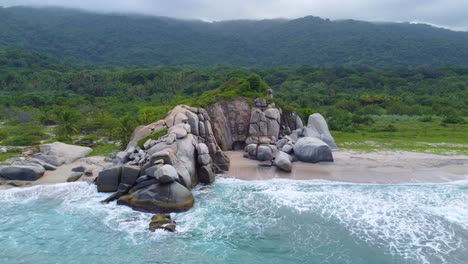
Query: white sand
point(361, 167)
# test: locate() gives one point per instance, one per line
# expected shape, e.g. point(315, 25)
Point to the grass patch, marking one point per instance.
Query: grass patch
point(104, 150)
point(10, 154)
point(408, 134)
point(154, 136)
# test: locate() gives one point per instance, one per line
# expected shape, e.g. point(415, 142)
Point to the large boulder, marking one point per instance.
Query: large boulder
point(160, 198)
point(22, 172)
point(108, 180)
point(283, 161)
point(317, 127)
point(313, 150)
point(264, 153)
point(68, 152)
point(129, 174)
point(50, 159)
point(166, 174)
point(206, 174)
point(230, 123)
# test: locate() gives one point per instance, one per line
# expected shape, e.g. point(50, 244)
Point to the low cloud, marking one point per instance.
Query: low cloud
point(446, 13)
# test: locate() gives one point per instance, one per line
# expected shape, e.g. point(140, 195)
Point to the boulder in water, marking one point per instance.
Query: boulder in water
point(160, 198)
point(162, 221)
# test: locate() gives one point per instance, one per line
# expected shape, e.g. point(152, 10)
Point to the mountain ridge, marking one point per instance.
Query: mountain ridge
point(136, 40)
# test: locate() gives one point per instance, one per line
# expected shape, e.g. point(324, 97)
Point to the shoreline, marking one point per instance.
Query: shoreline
point(381, 167)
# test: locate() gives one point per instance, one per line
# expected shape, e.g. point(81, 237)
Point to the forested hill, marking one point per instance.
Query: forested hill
point(87, 38)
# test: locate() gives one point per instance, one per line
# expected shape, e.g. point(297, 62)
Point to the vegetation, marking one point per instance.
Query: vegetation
point(42, 99)
point(82, 38)
point(154, 136)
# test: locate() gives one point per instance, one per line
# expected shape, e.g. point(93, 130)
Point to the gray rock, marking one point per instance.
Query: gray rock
point(75, 176)
point(166, 174)
point(108, 180)
point(201, 129)
point(252, 151)
point(280, 143)
point(264, 152)
point(50, 159)
point(30, 172)
point(69, 152)
point(163, 222)
point(160, 198)
point(308, 149)
point(121, 157)
point(202, 148)
point(184, 177)
point(206, 174)
point(273, 128)
point(143, 184)
point(3, 149)
point(152, 170)
point(129, 174)
point(317, 127)
point(179, 131)
point(44, 164)
point(167, 155)
point(283, 161)
point(288, 149)
point(204, 159)
point(297, 122)
point(273, 113)
point(180, 118)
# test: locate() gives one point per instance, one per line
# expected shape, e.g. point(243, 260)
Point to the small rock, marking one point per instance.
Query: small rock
point(74, 176)
point(163, 222)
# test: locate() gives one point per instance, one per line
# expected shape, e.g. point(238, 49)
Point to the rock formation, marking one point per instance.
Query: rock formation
point(156, 173)
point(158, 178)
point(49, 158)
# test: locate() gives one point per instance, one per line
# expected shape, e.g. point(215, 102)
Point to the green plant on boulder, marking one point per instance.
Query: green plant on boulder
point(154, 136)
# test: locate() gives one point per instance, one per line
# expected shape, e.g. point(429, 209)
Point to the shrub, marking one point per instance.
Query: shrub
point(453, 119)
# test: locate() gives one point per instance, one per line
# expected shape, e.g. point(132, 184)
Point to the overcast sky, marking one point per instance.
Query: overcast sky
point(446, 13)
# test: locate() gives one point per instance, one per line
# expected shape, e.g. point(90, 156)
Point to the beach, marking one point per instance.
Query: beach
point(380, 167)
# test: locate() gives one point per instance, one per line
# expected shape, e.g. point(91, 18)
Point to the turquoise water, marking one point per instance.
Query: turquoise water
point(277, 221)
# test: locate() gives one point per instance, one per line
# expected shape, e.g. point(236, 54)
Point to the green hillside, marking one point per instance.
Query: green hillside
point(85, 38)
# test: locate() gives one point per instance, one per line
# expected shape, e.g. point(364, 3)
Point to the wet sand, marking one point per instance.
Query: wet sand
point(382, 167)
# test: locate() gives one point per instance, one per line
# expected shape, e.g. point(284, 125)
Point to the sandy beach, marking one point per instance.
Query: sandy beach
point(382, 167)
point(61, 174)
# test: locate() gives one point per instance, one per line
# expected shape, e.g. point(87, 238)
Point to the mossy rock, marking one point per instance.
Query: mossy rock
point(160, 198)
point(162, 221)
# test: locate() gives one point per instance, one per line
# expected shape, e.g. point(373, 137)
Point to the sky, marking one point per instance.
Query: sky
point(451, 14)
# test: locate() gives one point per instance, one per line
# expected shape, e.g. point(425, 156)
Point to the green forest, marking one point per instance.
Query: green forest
point(43, 99)
point(83, 38)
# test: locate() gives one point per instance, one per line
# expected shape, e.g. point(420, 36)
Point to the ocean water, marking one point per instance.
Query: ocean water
point(233, 221)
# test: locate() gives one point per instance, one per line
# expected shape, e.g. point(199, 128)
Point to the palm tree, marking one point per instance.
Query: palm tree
point(66, 125)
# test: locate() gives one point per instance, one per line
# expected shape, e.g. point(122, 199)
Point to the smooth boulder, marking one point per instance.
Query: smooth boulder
point(312, 150)
point(22, 172)
point(317, 127)
point(264, 153)
point(69, 152)
point(108, 180)
point(166, 174)
point(283, 161)
point(160, 198)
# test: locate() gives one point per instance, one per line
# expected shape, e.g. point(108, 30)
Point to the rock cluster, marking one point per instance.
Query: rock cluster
point(49, 158)
point(158, 178)
point(158, 175)
point(270, 137)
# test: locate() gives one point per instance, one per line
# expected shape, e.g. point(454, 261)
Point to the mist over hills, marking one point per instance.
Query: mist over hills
point(82, 37)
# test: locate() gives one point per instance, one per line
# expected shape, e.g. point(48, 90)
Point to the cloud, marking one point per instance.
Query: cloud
point(446, 13)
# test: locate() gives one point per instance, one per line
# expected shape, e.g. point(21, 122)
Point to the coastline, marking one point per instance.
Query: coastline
point(61, 174)
point(381, 167)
